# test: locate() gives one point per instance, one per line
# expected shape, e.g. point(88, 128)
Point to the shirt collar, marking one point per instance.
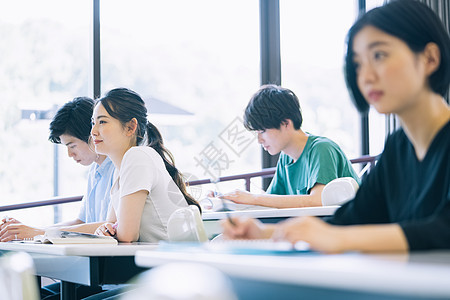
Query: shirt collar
point(104, 167)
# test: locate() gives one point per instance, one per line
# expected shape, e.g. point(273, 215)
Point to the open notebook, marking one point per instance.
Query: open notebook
point(69, 237)
point(217, 204)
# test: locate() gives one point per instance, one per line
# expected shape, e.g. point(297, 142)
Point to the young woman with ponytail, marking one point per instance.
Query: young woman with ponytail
point(147, 187)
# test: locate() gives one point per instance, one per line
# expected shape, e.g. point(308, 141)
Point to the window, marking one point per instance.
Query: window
point(312, 55)
point(377, 122)
point(196, 64)
point(45, 61)
point(370, 4)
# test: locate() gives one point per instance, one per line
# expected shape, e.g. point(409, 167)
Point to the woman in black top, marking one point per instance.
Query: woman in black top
point(398, 61)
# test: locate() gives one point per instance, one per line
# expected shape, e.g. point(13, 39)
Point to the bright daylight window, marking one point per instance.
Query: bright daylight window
point(196, 64)
point(313, 37)
point(44, 63)
point(377, 122)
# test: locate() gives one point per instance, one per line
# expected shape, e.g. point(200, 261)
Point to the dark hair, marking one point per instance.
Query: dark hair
point(271, 106)
point(124, 104)
point(415, 24)
point(74, 119)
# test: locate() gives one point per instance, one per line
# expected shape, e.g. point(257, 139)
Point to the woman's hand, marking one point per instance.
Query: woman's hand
point(107, 229)
point(320, 235)
point(12, 230)
point(245, 229)
point(241, 197)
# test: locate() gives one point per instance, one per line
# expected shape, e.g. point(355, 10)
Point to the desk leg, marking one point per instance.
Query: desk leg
point(68, 291)
point(39, 282)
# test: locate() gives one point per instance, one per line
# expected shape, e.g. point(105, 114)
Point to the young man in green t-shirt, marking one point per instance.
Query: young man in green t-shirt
point(307, 162)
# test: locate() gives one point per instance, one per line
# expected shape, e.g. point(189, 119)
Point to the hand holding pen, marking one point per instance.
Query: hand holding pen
point(227, 210)
point(245, 228)
point(12, 229)
point(6, 221)
point(107, 229)
point(111, 229)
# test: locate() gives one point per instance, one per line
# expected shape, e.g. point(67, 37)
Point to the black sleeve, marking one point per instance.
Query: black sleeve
point(432, 232)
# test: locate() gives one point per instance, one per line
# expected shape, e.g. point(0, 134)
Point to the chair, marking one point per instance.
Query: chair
point(17, 280)
point(182, 281)
point(339, 191)
point(186, 225)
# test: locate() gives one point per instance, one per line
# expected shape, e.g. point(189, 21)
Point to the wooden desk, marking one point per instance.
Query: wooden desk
point(211, 219)
point(318, 276)
point(82, 264)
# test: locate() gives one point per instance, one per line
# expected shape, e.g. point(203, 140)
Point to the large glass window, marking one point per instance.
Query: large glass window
point(196, 63)
point(377, 122)
point(370, 4)
point(44, 47)
point(312, 55)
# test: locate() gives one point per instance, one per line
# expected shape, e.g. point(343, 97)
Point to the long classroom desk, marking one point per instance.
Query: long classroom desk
point(211, 220)
point(424, 275)
point(85, 264)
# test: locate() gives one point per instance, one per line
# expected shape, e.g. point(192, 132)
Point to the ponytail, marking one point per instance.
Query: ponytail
point(124, 105)
point(154, 140)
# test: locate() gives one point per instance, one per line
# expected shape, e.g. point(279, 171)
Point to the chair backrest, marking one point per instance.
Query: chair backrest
point(181, 281)
point(186, 225)
point(17, 279)
point(339, 191)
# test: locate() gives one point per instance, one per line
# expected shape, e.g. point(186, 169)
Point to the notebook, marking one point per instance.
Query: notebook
point(216, 204)
point(69, 237)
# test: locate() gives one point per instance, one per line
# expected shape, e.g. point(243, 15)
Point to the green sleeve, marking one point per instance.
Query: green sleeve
point(324, 161)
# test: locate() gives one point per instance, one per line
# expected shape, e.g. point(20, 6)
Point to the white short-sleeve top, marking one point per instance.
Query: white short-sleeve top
point(142, 168)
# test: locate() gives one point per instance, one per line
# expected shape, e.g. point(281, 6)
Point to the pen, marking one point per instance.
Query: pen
point(226, 210)
point(230, 219)
point(114, 226)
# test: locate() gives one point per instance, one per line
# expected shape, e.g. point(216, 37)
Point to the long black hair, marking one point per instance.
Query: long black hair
point(416, 25)
point(124, 104)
